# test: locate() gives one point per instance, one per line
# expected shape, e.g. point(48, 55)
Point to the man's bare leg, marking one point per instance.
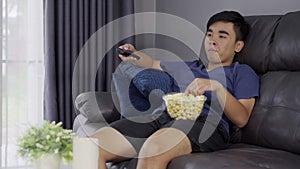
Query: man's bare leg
point(161, 147)
point(113, 146)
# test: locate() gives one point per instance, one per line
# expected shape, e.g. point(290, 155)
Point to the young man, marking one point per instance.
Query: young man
point(157, 139)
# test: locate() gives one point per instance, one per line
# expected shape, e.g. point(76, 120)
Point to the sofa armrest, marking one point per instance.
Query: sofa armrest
point(97, 107)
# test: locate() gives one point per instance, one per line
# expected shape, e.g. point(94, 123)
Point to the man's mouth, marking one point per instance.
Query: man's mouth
point(212, 50)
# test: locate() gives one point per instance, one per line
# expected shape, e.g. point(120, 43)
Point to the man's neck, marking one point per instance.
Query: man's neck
point(213, 66)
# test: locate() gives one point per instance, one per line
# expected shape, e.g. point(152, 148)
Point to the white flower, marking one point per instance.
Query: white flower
point(59, 134)
point(59, 124)
point(67, 131)
point(30, 144)
point(57, 139)
point(66, 137)
point(38, 145)
point(32, 132)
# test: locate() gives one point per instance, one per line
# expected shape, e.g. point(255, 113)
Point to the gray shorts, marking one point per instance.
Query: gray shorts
point(138, 129)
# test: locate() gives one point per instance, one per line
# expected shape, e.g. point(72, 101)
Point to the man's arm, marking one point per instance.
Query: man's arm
point(238, 111)
point(145, 61)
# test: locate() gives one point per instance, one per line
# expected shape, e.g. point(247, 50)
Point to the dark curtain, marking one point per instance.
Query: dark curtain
point(80, 56)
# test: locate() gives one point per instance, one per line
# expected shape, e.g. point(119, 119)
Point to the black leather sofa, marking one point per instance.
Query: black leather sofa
point(272, 137)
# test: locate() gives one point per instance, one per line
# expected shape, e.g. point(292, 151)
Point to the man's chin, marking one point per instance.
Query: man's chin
point(214, 58)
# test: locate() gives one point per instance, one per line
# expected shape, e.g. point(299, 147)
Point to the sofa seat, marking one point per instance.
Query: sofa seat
point(238, 156)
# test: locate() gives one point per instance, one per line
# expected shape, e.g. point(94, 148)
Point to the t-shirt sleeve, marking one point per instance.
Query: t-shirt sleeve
point(246, 83)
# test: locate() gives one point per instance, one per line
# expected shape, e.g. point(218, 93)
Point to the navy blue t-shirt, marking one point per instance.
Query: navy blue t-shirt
point(239, 79)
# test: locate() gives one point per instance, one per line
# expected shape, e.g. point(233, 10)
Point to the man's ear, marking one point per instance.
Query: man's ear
point(239, 46)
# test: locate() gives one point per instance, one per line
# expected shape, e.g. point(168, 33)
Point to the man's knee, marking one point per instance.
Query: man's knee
point(112, 142)
point(152, 148)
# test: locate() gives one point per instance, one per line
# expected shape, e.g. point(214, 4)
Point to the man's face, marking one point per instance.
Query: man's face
point(221, 44)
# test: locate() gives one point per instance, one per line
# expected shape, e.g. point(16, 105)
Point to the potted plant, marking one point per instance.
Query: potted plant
point(46, 145)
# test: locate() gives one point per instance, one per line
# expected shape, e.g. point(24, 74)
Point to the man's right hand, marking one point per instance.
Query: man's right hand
point(144, 60)
point(129, 47)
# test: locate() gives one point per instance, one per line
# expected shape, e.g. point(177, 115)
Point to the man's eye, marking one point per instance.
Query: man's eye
point(222, 37)
point(208, 34)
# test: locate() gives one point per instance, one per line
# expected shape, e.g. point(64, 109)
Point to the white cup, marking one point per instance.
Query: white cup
point(85, 153)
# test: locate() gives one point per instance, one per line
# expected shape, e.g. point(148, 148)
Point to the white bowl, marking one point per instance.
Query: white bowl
point(184, 107)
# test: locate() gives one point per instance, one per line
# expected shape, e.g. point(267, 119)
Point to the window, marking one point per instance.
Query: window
point(22, 73)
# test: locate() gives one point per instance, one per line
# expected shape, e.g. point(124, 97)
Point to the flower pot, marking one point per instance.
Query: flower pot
point(48, 161)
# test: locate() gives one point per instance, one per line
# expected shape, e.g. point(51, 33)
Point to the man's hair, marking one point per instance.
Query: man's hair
point(241, 27)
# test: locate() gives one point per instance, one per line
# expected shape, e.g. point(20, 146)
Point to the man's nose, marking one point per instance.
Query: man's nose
point(212, 41)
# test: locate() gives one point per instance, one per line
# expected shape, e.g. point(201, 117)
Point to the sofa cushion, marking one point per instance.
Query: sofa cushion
point(97, 106)
point(275, 120)
point(284, 51)
point(278, 41)
point(83, 128)
point(261, 32)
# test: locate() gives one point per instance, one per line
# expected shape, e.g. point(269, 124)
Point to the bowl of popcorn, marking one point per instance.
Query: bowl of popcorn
point(184, 107)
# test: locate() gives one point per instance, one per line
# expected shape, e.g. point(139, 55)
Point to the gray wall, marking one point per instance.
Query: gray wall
point(197, 13)
point(141, 6)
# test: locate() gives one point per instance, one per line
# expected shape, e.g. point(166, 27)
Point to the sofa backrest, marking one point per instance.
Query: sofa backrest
point(273, 50)
point(273, 43)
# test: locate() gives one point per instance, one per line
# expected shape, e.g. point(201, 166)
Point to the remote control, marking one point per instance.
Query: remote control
point(127, 53)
